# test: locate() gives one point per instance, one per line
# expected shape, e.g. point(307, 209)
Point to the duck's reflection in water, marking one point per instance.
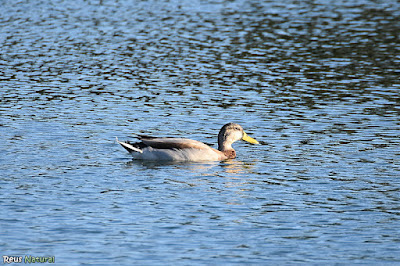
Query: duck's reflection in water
point(224, 174)
point(236, 167)
point(204, 168)
point(229, 178)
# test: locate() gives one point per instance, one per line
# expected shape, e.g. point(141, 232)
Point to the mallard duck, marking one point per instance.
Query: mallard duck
point(180, 149)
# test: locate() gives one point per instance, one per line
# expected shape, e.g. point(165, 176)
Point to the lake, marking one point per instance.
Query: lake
point(317, 83)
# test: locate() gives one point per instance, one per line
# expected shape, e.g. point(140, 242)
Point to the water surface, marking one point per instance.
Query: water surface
point(316, 82)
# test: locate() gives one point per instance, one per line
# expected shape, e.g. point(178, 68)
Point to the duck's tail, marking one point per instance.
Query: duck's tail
point(128, 146)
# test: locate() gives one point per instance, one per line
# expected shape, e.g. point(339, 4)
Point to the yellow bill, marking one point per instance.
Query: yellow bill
point(249, 139)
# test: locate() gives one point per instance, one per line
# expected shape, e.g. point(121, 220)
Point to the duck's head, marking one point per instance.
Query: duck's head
point(230, 133)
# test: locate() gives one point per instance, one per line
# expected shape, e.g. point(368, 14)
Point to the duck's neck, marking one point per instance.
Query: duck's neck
point(225, 146)
point(223, 143)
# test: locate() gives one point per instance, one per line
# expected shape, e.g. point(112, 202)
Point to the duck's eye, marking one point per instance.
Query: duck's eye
point(236, 128)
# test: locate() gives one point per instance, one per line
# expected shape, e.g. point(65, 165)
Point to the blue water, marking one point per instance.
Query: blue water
point(317, 83)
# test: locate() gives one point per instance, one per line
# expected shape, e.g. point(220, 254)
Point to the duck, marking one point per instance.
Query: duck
point(183, 149)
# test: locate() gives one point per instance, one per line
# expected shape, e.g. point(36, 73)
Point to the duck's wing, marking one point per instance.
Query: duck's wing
point(172, 143)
